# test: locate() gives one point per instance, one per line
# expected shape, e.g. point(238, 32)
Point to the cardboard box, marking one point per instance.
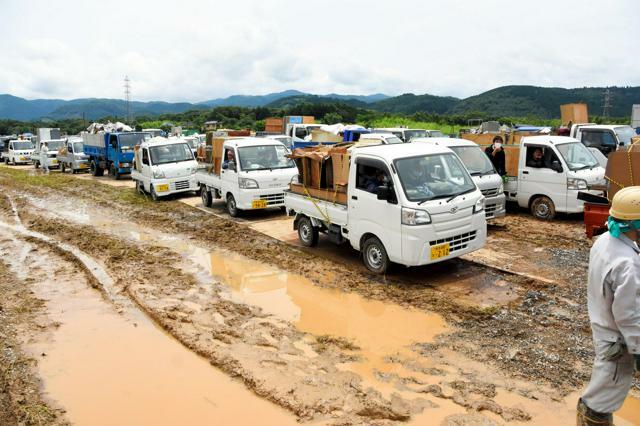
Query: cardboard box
point(333, 196)
point(321, 136)
point(340, 168)
point(574, 113)
point(623, 169)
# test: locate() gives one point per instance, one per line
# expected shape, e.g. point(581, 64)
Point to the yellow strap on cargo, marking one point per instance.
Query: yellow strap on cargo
point(324, 215)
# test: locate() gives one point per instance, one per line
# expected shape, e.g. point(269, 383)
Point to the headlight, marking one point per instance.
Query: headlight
point(573, 183)
point(158, 174)
point(415, 217)
point(245, 183)
point(479, 206)
point(501, 187)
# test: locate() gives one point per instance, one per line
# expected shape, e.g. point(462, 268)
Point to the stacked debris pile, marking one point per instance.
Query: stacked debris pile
point(109, 127)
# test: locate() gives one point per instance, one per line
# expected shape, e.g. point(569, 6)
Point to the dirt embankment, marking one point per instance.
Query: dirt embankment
point(20, 399)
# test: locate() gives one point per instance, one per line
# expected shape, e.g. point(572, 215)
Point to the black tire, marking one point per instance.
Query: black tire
point(232, 207)
point(154, 194)
point(307, 233)
point(205, 194)
point(63, 168)
point(36, 164)
point(283, 209)
point(113, 171)
point(374, 256)
point(543, 208)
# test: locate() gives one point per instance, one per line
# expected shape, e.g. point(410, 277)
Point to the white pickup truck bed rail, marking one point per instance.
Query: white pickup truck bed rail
point(324, 211)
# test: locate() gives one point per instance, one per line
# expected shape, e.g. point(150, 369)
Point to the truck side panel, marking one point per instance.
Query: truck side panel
point(322, 210)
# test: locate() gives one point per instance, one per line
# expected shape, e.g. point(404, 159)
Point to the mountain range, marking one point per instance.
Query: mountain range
point(506, 101)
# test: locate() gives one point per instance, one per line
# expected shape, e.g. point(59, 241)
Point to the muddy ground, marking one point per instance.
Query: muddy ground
point(511, 340)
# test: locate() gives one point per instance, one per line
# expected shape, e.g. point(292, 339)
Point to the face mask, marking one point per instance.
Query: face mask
point(618, 228)
point(497, 145)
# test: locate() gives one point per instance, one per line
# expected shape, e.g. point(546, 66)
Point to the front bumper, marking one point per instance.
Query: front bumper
point(170, 186)
point(417, 241)
point(495, 206)
point(251, 199)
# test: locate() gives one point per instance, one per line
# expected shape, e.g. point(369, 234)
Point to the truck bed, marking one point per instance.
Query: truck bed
point(314, 207)
point(209, 179)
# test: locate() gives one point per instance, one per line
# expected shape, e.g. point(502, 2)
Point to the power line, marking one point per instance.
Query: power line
point(606, 105)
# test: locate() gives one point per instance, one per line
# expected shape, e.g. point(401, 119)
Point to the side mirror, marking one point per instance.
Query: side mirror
point(232, 166)
point(555, 165)
point(145, 161)
point(383, 192)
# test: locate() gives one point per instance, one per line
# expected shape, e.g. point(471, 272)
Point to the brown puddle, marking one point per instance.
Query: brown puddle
point(110, 368)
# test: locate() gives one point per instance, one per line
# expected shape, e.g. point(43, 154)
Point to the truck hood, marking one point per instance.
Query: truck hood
point(277, 178)
point(174, 170)
point(487, 182)
point(591, 176)
point(456, 214)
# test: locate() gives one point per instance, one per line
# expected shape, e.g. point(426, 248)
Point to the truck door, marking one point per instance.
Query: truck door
point(536, 176)
point(145, 170)
point(229, 173)
point(367, 214)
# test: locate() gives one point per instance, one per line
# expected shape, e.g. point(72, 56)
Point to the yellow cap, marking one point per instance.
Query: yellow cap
point(626, 204)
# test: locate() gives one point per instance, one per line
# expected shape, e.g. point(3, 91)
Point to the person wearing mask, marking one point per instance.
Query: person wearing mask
point(495, 152)
point(613, 298)
point(537, 159)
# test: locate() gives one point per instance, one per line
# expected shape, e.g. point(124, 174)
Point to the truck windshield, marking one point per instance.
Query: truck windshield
point(437, 134)
point(78, 147)
point(435, 176)
point(22, 145)
point(625, 134)
point(174, 153)
point(129, 140)
point(286, 140)
point(577, 156)
point(54, 145)
point(393, 139)
point(474, 160)
point(410, 134)
point(264, 157)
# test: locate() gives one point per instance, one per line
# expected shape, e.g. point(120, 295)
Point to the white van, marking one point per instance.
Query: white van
point(256, 178)
point(481, 170)
point(19, 152)
point(424, 209)
point(164, 166)
point(378, 139)
point(551, 184)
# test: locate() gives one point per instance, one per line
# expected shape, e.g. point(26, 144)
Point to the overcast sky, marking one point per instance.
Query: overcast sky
point(198, 50)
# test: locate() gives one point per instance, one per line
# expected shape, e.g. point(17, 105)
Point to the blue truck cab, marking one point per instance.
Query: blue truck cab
point(112, 151)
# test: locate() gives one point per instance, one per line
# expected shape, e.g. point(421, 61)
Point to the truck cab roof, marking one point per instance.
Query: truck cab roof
point(446, 142)
point(159, 140)
point(548, 140)
point(395, 151)
point(252, 141)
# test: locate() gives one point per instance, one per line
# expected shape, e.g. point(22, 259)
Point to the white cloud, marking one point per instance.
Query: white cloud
point(198, 50)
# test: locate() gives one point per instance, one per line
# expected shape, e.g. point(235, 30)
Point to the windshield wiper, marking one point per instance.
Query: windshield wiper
point(585, 167)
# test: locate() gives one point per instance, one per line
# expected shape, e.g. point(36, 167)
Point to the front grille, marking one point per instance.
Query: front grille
point(490, 192)
point(457, 242)
point(182, 184)
point(273, 198)
point(490, 210)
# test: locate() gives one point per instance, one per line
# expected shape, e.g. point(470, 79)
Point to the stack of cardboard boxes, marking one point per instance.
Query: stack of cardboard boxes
point(323, 172)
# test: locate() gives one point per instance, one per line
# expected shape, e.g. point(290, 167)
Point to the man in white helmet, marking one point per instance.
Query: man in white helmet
point(614, 311)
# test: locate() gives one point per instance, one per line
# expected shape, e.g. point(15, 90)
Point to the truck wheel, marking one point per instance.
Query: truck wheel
point(375, 256)
point(543, 208)
point(205, 194)
point(139, 187)
point(154, 195)
point(307, 233)
point(36, 164)
point(62, 168)
point(232, 207)
point(113, 171)
point(95, 169)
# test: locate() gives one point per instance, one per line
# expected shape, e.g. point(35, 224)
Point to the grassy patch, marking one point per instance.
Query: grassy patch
point(412, 124)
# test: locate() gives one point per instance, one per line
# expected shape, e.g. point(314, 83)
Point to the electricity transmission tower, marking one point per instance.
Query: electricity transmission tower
point(127, 97)
point(606, 105)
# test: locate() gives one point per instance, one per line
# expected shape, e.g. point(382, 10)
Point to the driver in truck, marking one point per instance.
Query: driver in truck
point(229, 158)
point(537, 159)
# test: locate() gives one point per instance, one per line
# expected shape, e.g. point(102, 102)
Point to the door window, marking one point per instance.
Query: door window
point(598, 138)
point(540, 157)
point(145, 156)
point(372, 175)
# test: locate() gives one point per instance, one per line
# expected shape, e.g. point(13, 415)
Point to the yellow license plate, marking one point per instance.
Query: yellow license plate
point(259, 204)
point(54, 161)
point(23, 158)
point(441, 250)
point(83, 166)
point(162, 188)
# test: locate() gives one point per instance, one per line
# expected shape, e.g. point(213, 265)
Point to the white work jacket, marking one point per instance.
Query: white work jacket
point(614, 291)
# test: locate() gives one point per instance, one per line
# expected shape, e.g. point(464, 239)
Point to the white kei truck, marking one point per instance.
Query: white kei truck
point(163, 167)
point(48, 158)
point(255, 178)
point(72, 156)
point(18, 152)
point(481, 170)
point(551, 184)
point(426, 208)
